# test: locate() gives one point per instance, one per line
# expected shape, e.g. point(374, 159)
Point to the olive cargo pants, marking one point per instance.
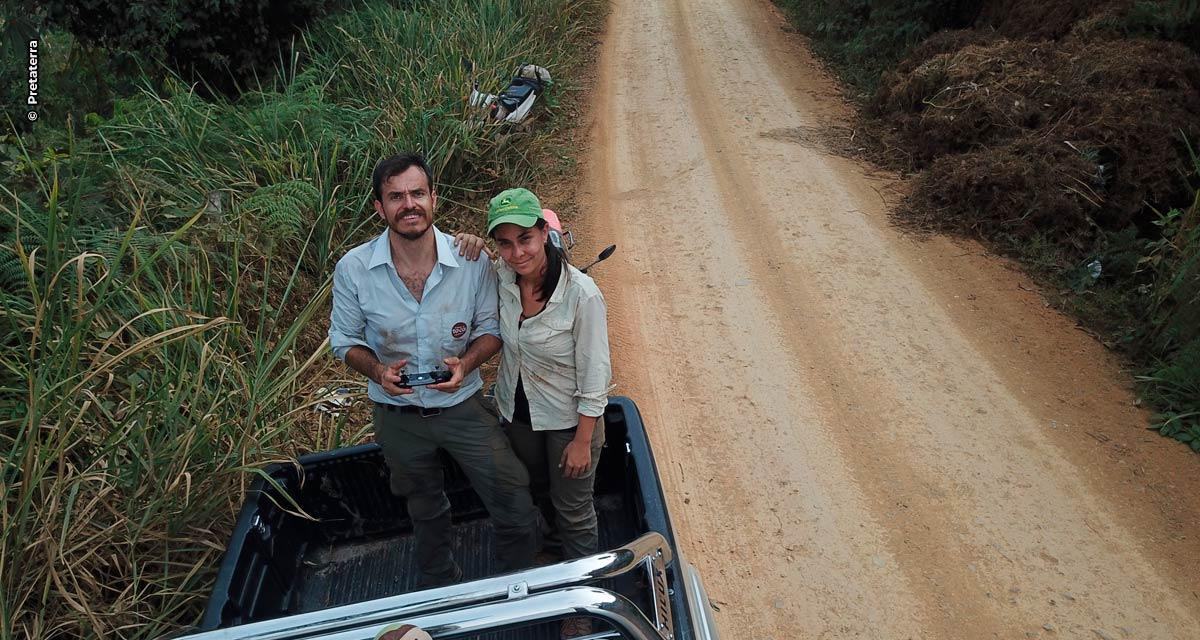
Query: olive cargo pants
point(472, 436)
point(574, 510)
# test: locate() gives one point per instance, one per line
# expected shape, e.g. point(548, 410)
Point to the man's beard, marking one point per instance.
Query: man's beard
point(411, 235)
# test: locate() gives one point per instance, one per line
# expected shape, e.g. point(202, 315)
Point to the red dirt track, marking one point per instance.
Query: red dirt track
point(862, 435)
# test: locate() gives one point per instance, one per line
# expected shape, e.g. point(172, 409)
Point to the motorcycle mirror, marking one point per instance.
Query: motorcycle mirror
point(466, 63)
point(604, 255)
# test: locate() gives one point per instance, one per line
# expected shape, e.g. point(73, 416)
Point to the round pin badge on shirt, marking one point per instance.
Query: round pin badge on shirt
point(459, 329)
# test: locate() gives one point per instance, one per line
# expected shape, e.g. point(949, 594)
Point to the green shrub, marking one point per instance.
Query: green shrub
point(224, 44)
point(863, 38)
point(1173, 382)
point(1175, 20)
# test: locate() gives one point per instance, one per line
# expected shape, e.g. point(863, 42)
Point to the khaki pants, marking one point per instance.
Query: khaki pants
point(472, 436)
point(574, 509)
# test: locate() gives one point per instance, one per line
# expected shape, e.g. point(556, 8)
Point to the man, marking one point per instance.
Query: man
point(405, 302)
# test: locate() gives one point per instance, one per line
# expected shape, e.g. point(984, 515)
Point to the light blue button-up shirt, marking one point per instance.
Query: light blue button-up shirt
point(372, 308)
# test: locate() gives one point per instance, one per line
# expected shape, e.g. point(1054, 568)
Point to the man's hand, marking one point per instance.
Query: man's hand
point(458, 371)
point(388, 377)
point(470, 246)
point(576, 458)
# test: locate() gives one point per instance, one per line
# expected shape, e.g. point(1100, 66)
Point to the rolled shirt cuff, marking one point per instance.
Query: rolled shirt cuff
point(592, 406)
point(341, 345)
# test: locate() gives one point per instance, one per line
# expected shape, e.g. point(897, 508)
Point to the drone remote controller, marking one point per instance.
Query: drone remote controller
point(419, 379)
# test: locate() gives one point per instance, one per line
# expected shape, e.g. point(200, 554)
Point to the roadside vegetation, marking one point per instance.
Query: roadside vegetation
point(1064, 134)
point(167, 233)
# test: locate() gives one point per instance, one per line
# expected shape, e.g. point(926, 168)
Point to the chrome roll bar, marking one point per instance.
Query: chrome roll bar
point(645, 552)
point(571, 601)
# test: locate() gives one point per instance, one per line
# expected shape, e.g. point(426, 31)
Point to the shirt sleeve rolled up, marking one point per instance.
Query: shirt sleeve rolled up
point(346, 321)
point(486, 321)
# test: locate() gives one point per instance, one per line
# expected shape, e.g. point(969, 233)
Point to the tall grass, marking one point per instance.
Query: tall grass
point(1173, 381)
point(165, 295)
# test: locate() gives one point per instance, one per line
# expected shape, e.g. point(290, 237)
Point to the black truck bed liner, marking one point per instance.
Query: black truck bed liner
point(365, 569)
point(326, 531)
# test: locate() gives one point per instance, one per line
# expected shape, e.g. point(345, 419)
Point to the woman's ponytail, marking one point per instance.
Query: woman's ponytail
point(555, 261)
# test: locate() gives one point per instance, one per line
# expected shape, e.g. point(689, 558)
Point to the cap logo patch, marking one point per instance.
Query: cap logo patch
point(459, 329)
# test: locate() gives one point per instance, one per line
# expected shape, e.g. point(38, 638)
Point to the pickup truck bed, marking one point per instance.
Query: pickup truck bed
point(333, 574)
point(326, 535)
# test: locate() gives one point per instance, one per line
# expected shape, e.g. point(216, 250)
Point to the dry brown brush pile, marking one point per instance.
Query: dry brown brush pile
point(1067, 135)
point(1063, 133)
point(1063, 138)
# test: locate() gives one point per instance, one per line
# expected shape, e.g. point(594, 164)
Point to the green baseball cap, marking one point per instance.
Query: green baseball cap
point(514, 206)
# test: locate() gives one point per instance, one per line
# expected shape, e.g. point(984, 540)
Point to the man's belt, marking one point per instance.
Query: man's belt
point(409, 408)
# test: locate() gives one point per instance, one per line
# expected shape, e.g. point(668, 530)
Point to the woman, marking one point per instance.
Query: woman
point(554, 370)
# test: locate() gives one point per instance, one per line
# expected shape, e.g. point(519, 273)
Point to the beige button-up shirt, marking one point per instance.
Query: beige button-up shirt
point(561, 354)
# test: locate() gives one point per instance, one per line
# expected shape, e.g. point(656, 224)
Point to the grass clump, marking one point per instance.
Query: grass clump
point(165, 275)
point(1173, 381)
point(861, 38)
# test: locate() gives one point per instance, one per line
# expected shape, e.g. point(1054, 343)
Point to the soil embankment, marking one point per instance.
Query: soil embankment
point(861, 435)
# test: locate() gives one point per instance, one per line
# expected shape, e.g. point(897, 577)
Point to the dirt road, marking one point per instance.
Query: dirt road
point(862, 435)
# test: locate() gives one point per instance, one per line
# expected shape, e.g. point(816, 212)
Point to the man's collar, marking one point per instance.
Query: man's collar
point(445, 252)
point(381, 250)
point(381, 253)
